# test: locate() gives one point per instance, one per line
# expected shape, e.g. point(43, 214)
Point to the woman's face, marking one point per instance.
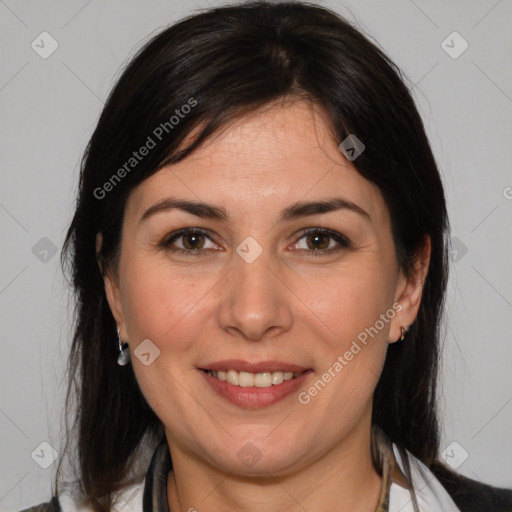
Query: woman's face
point(256, 291)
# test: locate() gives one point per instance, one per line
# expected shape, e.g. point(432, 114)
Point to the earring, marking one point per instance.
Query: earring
point(124, 354)
point(403, 331)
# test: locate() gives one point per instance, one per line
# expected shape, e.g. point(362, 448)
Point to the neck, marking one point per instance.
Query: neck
point(343, 479)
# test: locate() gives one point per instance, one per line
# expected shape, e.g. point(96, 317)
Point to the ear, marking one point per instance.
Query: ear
point(409, 291)
point(112, 291)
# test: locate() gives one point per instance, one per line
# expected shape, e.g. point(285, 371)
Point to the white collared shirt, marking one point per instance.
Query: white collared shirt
point(430, 494)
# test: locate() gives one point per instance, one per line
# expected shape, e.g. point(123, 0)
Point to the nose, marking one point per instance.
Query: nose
point(256, 304)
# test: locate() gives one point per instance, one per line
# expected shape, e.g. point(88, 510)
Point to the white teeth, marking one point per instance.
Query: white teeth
point(277, 378)
point(263, 380)
point(232, 377)
point(246, 380)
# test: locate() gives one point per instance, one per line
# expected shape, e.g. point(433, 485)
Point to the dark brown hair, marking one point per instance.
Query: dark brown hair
point(231, 61)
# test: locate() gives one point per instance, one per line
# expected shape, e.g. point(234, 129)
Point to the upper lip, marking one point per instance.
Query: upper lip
point(253, 367)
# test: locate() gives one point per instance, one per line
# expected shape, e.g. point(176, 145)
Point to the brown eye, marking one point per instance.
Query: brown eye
point(193, 240)
point(318, 241)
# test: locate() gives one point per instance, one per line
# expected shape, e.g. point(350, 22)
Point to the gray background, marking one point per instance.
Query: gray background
point(48, 111)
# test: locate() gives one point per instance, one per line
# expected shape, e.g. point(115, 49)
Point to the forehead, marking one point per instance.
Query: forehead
point(282, 153)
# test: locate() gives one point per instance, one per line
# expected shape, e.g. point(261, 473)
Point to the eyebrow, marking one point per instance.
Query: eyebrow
point(294, 211)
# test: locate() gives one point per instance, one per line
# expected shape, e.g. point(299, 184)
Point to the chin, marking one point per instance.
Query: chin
point(257, 458)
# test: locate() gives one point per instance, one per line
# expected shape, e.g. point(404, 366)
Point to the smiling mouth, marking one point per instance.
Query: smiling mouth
point(247, 380)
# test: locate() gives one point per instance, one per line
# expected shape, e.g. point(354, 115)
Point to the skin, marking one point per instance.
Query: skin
point(287, 305)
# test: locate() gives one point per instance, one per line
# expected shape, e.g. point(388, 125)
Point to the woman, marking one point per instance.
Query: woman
point(259, 253)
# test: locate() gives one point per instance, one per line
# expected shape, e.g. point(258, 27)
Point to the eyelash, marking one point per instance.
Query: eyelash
point(342, 240)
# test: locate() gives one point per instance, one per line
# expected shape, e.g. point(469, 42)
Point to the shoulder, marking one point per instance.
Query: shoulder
point(127, 500)
point(452, 491)
point(471, 495)
point(52, 506)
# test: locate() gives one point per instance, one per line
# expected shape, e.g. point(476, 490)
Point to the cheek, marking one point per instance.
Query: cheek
point(350, 354)
point(350, 301)
point(162, 306)
point(354, 308)
point(168, 309)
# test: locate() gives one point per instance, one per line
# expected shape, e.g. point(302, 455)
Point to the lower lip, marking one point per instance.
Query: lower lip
point(254, 397)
